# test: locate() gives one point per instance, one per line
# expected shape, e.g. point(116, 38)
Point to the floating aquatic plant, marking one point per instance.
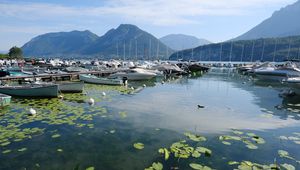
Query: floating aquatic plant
point(246, 138)
point(155, 166)
point(199, 167)
point(138, 145)
point(248, 165)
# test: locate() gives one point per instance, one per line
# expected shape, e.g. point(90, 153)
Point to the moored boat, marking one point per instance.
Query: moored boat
point(134, 74)
point(31, 90)
point(4, 100)
point(99, 80)
point(71, 87)
point(294, 84)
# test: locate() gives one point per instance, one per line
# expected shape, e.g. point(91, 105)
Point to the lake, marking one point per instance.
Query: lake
point(238, 123)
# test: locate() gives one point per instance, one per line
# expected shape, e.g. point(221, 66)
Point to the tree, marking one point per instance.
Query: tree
point(15, 53)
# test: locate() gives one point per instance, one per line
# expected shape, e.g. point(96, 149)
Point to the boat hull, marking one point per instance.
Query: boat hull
point(133, 76)
point(31, 91)
point(71, 87)
point(96, 80)
point(4, 100)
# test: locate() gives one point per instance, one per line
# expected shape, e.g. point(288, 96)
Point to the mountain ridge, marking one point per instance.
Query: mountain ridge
point(282, 23)
point(182, 41)
point(128, 40)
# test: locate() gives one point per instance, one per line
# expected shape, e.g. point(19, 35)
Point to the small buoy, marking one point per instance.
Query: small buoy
point(162, 82)
point(200, 107)
point(32, 112)
point(60, 96)
point(144, 85)
point(103, 94)
point(132, 88)
point(91, 101)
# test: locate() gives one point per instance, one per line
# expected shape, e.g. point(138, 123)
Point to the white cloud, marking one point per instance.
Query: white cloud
point(156, 12)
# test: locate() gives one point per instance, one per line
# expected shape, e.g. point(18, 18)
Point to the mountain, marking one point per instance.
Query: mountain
point(126, 41)
point(284, 22)
point(61, 43)
point(181, 41)
point(266, 49)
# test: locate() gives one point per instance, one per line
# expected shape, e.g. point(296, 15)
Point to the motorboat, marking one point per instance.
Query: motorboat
point(294, 84)
point(277, 73)
point(134, 74)
point(31, 90)
point(99, 80)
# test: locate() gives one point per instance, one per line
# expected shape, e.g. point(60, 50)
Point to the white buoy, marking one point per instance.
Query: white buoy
point(132, 88)
point(162, 82)
point(103, 94)
point(144, 85)
point(60, 96)
point(32, 112)
point(91, 101)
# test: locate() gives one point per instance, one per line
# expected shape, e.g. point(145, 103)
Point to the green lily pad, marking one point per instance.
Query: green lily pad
point(157, 166)
point(226, 143)
point(22, 149)
point(252, 146)
point(55, 136)
point(59, 150)
point(138, 146)
point(199, 167)
point(204, 150)
point(233, 163)
point(90, 168)
point(288, 166)
point(196, 138)
point(6, 151)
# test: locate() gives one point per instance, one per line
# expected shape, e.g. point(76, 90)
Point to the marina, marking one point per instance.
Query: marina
point(150, 85)
point(224, 111)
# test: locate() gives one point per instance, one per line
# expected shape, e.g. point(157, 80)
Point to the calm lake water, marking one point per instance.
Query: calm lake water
point(253, 120)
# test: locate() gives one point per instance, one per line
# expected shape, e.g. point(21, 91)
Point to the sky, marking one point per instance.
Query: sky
point(214, 20)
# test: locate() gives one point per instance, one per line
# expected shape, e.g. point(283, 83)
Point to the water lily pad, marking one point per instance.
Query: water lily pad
point(6, 151)
point(138, 146)
point(196, 154)
point(288, 166)
point(252, 146)
point(123, 114)
point(157, 166)
point(204, 150)
point(199, 167)
point(233, 163)
point(59, 150)
point(55, 136)
point(22, 149)
point(90, 168)
point(226, 143)
point(196, 138)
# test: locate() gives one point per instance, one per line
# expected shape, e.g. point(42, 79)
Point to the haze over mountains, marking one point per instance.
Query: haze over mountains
point(126, 41)
point(285, 22)
point(181, 41)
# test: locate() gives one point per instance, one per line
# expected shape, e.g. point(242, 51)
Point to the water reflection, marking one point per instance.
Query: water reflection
point(228, 104)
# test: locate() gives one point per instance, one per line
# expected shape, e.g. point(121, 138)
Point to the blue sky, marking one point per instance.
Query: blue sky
point(215, 20)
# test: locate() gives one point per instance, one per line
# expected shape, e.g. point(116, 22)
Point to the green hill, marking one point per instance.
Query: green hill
point(265, 49)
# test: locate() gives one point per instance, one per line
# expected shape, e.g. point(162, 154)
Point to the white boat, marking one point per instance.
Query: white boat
point(32, 90)
point(134, 74)
point(294, 84)
point(278, 74)
point(99, 80)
